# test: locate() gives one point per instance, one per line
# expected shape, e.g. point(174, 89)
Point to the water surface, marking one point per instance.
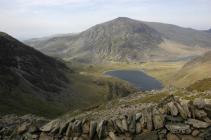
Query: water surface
point(139, 79)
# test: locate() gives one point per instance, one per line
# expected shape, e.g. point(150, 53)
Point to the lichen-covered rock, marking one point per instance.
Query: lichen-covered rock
point(50, 126)
point(197, 123)
point(124, 124)
point(147, 136)
point(77, 128)
point(101, 129)
point(175, 119)
point(185, 105)
point(132, 124)
point(171, 136)
point(178, 128)
point(172, 108)
point(63, 128)
point(92, 130)
point(138, 116)
point(85, 126)
point(138, 128)
point(181, 111)
point(149, 123)
point(190, 137)
point(158, 119)
point(199, 103)
point(200, 114)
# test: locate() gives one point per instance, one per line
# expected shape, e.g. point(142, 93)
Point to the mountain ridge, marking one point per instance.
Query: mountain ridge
point(127, 40)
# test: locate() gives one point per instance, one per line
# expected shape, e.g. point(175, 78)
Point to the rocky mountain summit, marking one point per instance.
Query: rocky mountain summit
point(172, 118)
point(126, 40)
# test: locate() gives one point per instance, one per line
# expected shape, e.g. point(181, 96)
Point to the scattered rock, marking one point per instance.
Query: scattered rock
point(196, 123)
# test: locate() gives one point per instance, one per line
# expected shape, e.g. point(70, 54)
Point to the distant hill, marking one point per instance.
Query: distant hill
point(193, 71)
point(126, 40)
point(29, 80)
point(209, 31)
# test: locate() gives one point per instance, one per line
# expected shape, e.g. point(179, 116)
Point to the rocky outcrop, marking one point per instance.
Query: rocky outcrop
point(172, 119)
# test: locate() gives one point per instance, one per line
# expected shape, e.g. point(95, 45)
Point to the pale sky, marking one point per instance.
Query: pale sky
point(26, 19)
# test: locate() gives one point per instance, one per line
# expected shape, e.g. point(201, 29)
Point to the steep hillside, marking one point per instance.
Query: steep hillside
point(201, 85)
point(196, 69)
point(29, 80)
point(126, 40)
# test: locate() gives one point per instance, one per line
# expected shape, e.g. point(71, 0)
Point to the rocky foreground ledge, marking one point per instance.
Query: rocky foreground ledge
point(171, 119)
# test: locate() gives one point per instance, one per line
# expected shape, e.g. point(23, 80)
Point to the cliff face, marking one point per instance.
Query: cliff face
point(171, 118)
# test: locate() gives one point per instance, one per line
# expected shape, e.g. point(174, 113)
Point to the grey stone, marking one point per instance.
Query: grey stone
point(185, 105)
point(174, 119)
point(118, 123)
point(132, 124)
point(189, 137)
point(147, 136)
point(138, 116)
point(200, 114)
point(149, 119)
point(48, 127)
point(85, 127)
point(171, 136)
point(199, 103)
point(124, 124)
point(63, 128)
point(182, 112)
point(158, 119)
point(178, 128)
point(101, 129)
point(92, 131)
point(138, 128)
point(77, 128)
point(172, 108)
point(197, 123)
point(69, 129)
point(195, 132)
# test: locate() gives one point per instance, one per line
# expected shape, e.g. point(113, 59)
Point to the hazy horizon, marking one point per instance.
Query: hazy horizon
point(26, 19)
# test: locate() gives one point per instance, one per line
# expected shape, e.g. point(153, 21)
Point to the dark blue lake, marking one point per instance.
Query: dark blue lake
point(139, 79)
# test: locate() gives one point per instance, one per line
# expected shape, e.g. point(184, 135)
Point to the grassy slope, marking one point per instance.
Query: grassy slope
point(201, 85)
point(195, 70)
